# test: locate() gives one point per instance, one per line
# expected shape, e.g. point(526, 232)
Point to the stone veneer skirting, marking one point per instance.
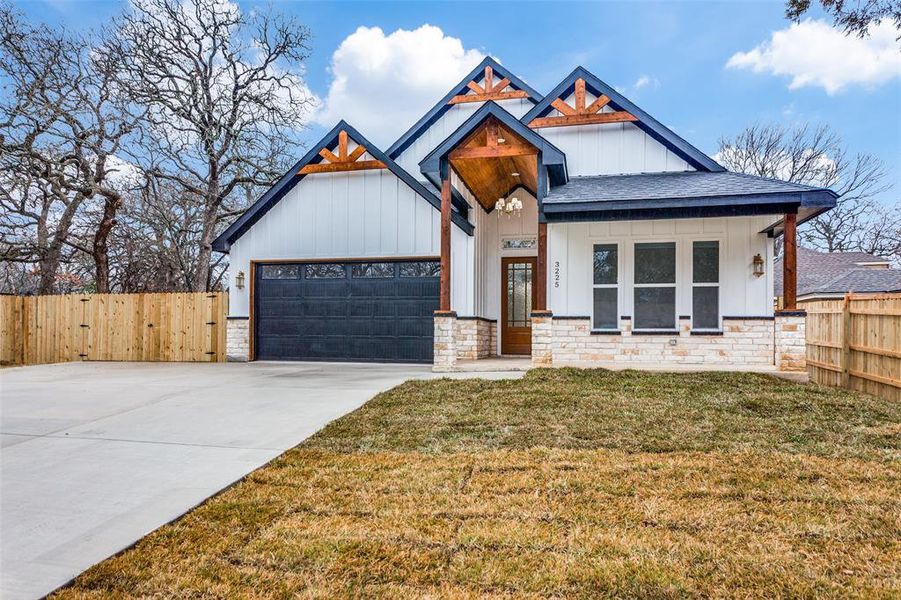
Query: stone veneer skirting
point(237, 339)
point(476, 338)
point(743, 342)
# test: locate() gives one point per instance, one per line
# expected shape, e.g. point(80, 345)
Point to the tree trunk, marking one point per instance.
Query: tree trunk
point(100, 250)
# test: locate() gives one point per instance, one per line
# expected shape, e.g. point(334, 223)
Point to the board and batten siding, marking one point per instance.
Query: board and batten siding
point(611, 148)
point(490, 232)
point(441, 129)
point(570, 256)
point(357, 214)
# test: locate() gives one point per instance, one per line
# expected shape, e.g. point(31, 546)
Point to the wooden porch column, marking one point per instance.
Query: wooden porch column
point(445, 299)
point(541, 275)
point(790, 263)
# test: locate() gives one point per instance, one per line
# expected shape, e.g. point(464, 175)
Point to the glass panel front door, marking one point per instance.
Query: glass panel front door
point(517, 298)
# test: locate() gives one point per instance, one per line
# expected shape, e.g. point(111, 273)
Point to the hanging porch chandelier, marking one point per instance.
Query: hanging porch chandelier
point(508, 208)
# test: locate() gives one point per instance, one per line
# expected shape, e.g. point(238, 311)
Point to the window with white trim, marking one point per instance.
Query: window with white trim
point(705, 287)
point(605, 302)
point(655, 286)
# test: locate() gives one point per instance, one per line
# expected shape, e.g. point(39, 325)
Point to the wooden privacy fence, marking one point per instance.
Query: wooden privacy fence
point(174, 327)
point(856, 343)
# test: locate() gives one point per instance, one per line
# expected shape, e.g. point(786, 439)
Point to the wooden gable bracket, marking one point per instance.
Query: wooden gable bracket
point(493, 148)
point(581, 114)
point(489, 90)
point(342, 161)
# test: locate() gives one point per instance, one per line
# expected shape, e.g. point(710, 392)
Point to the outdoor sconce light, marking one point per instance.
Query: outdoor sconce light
point(239, 280)
point(758, 265)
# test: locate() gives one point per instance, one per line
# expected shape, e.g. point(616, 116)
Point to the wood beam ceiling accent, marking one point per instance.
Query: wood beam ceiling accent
point(488, 90)
point(343, 161)
point(486, 160)
point(581, 114)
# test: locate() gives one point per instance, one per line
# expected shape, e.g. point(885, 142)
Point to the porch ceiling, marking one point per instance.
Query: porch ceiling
point(488, 158)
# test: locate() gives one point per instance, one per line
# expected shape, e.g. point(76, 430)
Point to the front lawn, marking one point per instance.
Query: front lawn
point(565, 483)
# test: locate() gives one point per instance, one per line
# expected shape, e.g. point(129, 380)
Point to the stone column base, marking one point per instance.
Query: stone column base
point(790, 340)
point(542, 338)
point(237, 339)
point(445, 344)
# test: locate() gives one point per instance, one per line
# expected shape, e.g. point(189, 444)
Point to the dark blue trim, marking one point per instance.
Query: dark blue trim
point(272, 196)
point(806, 212)
point(675, 208)
point(646, 122)
point(442, 107)
point(713, 332)
point(550, 157)
point(661, 332)
point(747, 318)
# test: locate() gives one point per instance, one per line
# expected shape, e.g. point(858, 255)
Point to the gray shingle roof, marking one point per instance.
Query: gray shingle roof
point(864, 280)
point(816, 269)
point(651, 186)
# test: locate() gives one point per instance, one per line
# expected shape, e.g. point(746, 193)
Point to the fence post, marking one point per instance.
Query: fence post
point(846, 341)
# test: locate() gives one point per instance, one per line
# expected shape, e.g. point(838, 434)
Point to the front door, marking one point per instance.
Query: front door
point(517, 299)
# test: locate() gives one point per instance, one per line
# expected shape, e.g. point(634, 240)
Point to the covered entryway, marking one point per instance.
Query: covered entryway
point(346, 311)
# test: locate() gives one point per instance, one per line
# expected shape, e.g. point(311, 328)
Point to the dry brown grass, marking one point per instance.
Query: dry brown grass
point(438, 510)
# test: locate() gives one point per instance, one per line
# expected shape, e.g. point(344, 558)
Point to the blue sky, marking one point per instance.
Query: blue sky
point(670, 58)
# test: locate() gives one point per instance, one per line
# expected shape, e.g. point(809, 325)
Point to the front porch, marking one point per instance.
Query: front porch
point(671, 269)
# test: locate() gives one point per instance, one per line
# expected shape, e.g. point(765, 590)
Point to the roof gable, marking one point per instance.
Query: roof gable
point(624, 110)
point(479, 92)
point(551, 156)
point(329, 155)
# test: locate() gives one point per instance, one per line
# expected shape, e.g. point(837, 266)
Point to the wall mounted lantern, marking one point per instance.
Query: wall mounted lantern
point(758, 265)
point(239, 280)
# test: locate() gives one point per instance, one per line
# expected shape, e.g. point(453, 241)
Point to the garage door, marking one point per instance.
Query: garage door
point(354, 311)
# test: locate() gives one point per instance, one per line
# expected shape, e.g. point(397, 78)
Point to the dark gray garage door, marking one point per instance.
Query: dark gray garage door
point(376, 311)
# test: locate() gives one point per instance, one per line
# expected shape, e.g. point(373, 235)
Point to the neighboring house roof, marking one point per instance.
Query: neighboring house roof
point(551, 157)
point(645, 122)
point(818, 271)
point(861, 281)
point(443, 105)
point(665, 194)
point(292, 177)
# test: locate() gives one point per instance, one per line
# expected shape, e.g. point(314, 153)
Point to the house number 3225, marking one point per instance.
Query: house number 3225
point(556, 273)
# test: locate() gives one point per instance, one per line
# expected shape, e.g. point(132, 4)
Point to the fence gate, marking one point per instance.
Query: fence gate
point(170, 327)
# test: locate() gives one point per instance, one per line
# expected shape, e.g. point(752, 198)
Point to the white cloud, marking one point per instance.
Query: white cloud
point(382, 83)
point(814, 53)
point(645, 81)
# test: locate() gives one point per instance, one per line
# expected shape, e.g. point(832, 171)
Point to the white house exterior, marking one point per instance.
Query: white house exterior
point(571, 227)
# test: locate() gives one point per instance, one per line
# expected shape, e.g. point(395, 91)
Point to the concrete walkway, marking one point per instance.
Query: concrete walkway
point(96, 455)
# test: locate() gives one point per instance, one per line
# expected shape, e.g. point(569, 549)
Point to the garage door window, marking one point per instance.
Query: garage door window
point(372, 270)
point(420, 269)
point(280, 272)
point(325, 271)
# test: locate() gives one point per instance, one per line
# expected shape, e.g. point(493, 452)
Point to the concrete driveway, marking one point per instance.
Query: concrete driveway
point(96, 455)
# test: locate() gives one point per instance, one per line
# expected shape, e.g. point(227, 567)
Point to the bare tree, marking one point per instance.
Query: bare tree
point(62, 124)
point(854, 17)
point(816, 156)
point(224, 96)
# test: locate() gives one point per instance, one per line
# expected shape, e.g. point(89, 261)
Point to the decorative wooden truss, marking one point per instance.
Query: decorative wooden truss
point(581, 114)
point(507, 154)
point(344, 161)
point(489, 90)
